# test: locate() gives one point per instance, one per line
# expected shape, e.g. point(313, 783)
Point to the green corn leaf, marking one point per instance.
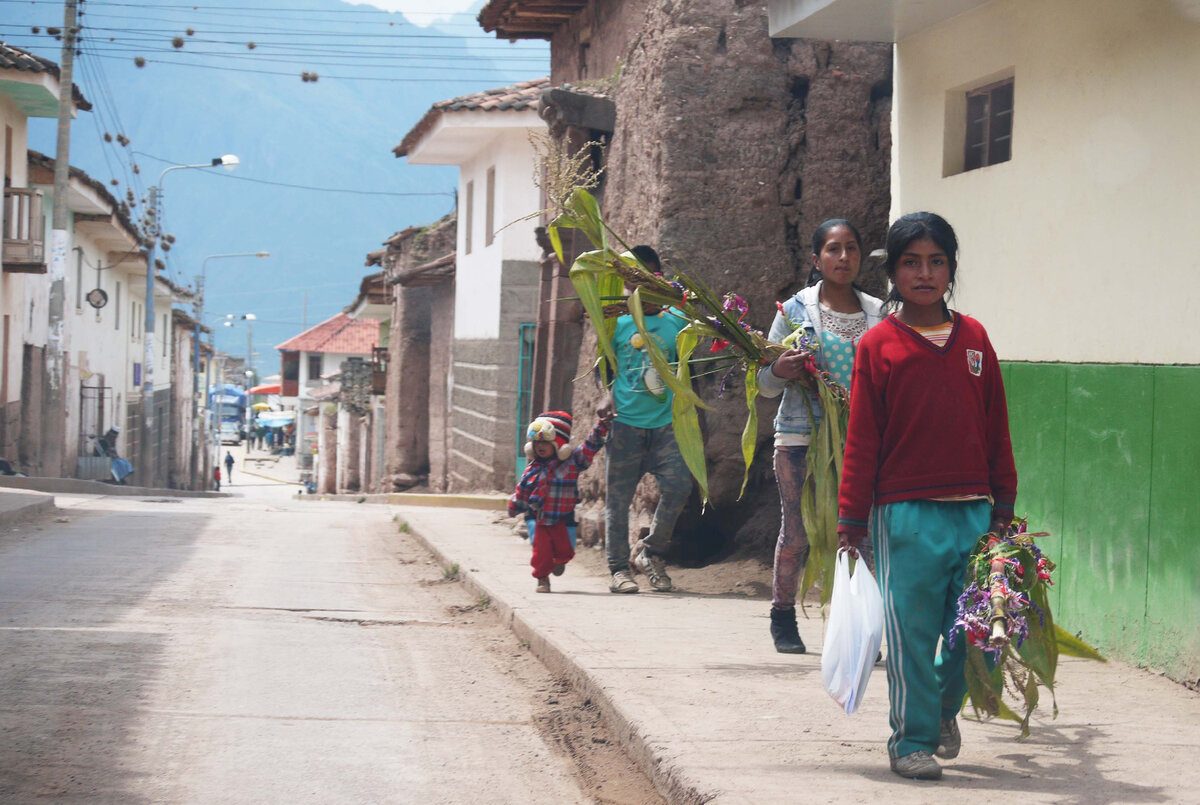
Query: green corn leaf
point(750, 432)
point(657, 358)
point(685, 419)
point(587, 274)
point(1072, 646)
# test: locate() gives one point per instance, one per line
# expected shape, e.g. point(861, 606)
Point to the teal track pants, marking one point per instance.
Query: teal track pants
point(921, 552)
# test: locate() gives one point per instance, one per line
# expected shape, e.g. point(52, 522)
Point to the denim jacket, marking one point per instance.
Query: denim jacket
point(804, 310)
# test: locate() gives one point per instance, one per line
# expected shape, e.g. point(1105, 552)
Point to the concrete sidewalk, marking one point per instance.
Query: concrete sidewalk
point(695, 691)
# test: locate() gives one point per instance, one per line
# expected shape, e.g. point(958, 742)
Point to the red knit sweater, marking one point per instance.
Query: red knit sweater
point(925, 422)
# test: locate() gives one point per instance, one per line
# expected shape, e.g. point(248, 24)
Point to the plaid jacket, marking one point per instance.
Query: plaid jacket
point(549, 489)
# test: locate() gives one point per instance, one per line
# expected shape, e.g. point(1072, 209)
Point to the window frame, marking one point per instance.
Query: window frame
point(982, 154)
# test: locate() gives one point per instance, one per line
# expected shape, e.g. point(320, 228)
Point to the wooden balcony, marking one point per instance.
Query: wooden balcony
point(24, 231)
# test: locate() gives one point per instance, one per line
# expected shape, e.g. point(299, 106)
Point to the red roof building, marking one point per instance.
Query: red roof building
point(340, 334)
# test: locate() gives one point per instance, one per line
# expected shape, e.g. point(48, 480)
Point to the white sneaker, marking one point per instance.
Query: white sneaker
point(622, 582)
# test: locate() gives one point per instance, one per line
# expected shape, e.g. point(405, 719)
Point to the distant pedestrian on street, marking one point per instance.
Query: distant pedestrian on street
point(548, 490)
point(229, 466)
point(643, 441)
point(836, 314)
point(217, 477)
point(928, 470)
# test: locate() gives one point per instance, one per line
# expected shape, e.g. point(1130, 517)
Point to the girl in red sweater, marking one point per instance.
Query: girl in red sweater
point(928, 469)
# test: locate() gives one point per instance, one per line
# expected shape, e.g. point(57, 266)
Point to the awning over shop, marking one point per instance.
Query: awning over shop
point(266, 388)
point(276, 419)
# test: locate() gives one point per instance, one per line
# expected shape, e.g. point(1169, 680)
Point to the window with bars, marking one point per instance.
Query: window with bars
point(989, 125)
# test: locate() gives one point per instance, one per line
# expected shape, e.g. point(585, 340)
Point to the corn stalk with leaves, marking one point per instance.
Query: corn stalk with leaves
point(601, 277)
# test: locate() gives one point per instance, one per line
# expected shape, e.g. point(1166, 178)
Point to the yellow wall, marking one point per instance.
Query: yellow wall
point(1082, 247)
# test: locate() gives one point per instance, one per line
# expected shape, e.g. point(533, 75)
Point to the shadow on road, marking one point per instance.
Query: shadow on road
point(80, 654)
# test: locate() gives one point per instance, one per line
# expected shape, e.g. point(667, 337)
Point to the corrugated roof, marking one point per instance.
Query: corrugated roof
point(340, 334)
point(14, 58)
point(513, 98)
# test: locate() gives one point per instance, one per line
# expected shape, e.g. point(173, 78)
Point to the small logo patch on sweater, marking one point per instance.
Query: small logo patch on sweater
point(975, 361)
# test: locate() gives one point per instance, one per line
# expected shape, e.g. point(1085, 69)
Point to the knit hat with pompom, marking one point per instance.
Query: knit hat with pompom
point(550, 426)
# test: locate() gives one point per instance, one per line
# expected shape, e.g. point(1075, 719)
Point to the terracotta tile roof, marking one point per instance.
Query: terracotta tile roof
point(14, 58)
point(527, 19)
point(340, 334)
point(504, 99)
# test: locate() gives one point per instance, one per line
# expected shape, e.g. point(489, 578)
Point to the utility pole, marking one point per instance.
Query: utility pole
point(148, 456)
point(55, 422)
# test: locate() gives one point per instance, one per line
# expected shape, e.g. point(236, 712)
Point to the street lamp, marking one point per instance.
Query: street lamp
point(228, 161)
point(200, 281)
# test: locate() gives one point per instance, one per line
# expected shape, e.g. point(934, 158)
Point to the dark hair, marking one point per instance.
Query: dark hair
point(648, 256)
point(820, 235)
point(919, 226)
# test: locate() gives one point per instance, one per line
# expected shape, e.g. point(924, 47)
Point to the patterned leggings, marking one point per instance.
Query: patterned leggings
point(792, 548)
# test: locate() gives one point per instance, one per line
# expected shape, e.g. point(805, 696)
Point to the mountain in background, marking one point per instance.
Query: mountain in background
point(378, 74)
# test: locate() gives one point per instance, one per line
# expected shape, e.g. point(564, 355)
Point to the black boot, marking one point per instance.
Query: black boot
point(784, 632)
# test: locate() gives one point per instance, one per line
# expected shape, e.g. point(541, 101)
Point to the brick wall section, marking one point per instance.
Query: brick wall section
point(483, 445)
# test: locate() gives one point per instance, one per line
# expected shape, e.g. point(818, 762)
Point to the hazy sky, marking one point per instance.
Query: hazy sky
point(426, 12)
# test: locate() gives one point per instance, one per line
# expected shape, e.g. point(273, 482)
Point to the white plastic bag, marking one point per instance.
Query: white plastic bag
point(853, 635)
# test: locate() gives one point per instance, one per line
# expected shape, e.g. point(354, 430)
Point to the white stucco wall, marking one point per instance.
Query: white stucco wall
point(13, 286)
point(477, 278)
point(1079, 248)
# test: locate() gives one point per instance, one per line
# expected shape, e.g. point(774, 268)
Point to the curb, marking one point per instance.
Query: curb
point(78, 486)
point(666, 776)
point(27, 512)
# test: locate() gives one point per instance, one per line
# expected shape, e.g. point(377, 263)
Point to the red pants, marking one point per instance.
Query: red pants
point(551, 546)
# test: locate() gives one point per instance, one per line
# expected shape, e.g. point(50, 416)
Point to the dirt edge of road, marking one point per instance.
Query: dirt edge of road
point(574, 719)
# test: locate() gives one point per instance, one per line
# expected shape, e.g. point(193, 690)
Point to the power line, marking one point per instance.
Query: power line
point(301, 186)
point(293, 74)
point(241, 8)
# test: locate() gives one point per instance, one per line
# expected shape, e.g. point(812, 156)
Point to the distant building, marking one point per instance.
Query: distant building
point(309, 359)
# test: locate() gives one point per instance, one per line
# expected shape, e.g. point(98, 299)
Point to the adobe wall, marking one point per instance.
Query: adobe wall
point(729, 149)
point(409, 360)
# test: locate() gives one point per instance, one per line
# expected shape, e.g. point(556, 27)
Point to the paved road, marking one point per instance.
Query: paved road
point(252, 650)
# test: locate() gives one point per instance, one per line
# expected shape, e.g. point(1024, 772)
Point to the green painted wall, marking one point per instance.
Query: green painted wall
point(1108, 459)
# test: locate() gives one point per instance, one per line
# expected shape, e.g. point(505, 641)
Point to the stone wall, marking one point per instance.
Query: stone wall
point(729, 149)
